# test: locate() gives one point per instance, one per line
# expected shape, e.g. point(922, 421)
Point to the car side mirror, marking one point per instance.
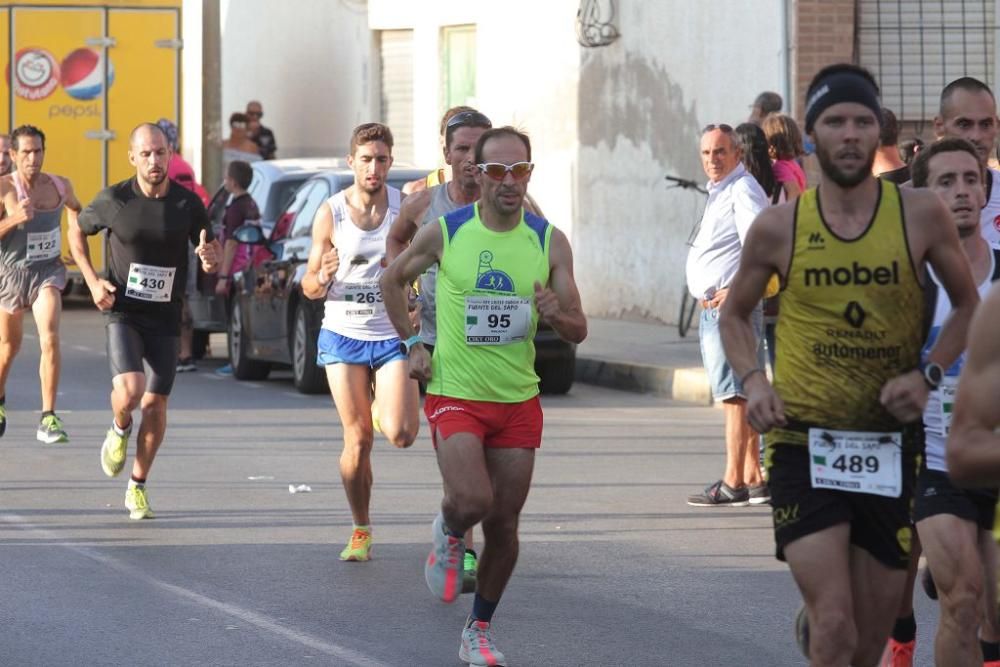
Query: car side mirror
point(250, 234)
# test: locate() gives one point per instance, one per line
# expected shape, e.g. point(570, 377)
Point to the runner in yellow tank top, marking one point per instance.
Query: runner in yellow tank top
point(485, 433)
point(843, 415)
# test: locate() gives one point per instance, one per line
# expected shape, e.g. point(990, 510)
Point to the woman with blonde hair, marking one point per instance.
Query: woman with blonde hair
point(785, 143)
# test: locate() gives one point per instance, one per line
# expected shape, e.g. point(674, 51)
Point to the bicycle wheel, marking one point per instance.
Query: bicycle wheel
point(688, 306)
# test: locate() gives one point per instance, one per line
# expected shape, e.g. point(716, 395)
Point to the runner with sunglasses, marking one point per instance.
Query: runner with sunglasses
point(500, 268)
point(462, 130)
point(32, 273)
point(843, 418)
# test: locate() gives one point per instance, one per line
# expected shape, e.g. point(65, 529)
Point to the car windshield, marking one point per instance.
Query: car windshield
point(281, 193)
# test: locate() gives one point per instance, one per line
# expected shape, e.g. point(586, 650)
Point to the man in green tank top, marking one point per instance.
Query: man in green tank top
point(843, 419)
point(500, 269)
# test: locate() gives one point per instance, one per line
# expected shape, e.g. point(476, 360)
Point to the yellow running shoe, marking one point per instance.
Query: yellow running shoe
point(113, 451)
point(3, 420)
point(360, 546)
point(137, 504)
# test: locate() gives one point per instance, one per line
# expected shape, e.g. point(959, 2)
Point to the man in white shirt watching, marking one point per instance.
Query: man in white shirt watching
point(734, 200)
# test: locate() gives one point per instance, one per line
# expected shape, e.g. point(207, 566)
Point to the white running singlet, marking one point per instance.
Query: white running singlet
point(354, 306)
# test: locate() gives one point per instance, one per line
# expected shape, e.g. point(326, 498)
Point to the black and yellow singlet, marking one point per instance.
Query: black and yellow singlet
point(852, 317)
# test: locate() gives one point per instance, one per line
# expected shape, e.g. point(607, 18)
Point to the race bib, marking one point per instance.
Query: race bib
point(149, 283)
point(496, 320)
point(44, 245)
point(946, 404)
point(365, 297)
point(857, 462)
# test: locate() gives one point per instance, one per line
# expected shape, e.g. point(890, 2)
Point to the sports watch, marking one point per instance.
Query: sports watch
point(406, 345)
point(933, 374)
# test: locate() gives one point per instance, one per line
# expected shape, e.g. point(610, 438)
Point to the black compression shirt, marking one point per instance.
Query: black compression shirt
point(147, 238)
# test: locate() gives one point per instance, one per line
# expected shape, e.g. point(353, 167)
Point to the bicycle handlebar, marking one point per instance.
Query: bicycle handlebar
point(685, 183)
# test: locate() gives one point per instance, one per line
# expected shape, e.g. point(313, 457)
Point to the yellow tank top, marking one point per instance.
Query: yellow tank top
point(852, 317)
point(436, 177)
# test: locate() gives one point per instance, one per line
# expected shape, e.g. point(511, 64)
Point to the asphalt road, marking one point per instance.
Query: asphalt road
point(615, 568)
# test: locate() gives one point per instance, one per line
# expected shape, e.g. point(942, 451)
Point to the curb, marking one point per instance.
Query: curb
point(681, 384)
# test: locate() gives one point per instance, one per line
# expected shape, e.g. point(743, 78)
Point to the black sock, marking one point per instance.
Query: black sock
point(905, 629)
point(482, 609)
point(991, 650)
point(48, 413)
point(3, 399)
point(139, 481)
point(471, 551)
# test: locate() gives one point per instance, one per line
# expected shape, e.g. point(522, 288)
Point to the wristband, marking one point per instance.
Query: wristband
point(222, 276)
point(746, 376)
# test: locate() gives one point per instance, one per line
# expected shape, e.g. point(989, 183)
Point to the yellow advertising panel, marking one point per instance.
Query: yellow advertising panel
point(146, 56)
point(5, 82)
point(57, 80)
point(90, 3)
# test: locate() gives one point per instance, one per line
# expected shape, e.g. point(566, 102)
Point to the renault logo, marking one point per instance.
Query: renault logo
point(854, 314)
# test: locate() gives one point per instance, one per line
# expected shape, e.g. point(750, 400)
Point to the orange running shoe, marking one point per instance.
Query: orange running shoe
point(898, 654)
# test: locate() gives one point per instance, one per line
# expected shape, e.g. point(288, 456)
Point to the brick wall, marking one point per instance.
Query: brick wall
point(822, 34)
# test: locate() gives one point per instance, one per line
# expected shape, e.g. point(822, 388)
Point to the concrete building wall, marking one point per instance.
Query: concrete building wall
point(309, 62)
point(642, 103)
point(526, 75)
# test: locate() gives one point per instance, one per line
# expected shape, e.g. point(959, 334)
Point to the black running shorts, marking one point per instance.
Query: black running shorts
point(937, 495)
point(879, 525)
point(130, 342)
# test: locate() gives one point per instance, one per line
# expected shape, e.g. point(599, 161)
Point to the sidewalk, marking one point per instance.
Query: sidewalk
point(649, 358)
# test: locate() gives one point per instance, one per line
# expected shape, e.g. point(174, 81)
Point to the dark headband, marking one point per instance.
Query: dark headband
point(841, 87)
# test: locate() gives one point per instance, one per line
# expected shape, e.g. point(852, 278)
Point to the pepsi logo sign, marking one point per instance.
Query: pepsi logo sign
point(82, 74)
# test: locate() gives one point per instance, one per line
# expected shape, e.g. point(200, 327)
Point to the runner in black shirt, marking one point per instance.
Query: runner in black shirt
point(149, 221)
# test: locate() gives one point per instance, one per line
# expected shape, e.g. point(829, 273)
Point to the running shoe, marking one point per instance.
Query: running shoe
point(359, 548)
point(113, 451)
point(226, 370)
point(137, 503)
point(3, 420)
point(898, 654)
point(720, 494)
point(51, 430)
point(186, 365)
point(469, 571)
point(443, 569)
point(802, 630)
point(477, 645)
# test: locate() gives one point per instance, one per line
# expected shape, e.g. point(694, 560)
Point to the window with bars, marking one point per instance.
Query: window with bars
point(916, 47)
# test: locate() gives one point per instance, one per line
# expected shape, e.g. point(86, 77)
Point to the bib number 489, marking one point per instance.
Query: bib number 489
point(855, 464)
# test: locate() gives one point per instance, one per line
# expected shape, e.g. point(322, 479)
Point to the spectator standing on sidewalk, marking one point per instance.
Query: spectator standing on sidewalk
point(261, 135)
point(239, 145)
point(734, 200)
point(785, 141)
point(766, 104)
point(888, 164)
point(182, 173)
